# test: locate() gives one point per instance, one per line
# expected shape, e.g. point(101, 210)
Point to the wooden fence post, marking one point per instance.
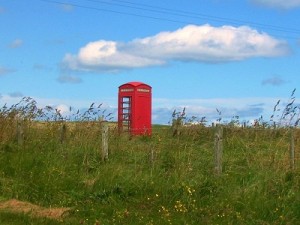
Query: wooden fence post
point(292, 149)
point(104, 153)
point(20, 132)
point(218, 145)
point(63, 132)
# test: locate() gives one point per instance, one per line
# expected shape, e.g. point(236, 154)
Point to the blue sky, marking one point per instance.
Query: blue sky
point(238, 56)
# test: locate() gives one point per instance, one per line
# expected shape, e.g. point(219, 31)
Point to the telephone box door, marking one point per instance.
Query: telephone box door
point(125, 105)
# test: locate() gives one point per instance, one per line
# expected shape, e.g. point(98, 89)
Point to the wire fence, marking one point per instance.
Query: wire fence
point(226, 148)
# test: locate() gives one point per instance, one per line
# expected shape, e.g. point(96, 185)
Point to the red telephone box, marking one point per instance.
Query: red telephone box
point(134, 108)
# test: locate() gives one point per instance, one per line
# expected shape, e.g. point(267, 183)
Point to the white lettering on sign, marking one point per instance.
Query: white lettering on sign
point(143, 90)
point(127, 90)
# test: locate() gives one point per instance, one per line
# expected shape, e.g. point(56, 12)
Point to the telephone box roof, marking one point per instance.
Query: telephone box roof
point(135, 83)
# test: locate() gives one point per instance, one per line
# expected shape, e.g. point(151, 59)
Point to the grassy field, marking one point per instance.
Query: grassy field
point(162, 179)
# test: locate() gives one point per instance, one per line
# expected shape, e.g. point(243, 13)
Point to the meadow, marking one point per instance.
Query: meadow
point(166, 178)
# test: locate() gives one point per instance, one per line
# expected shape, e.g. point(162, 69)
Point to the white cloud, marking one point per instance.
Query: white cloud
point(16, 43)
point(282, 4)
point(190, 43)
point(106, 56)
point(66, 107)
point(211, 44)
point(63, 109)
point(245, 108)
point(58, 103)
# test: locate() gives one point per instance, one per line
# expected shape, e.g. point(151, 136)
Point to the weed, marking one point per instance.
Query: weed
point(158, 179)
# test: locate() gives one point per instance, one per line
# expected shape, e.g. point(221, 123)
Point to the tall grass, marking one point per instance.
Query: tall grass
point(163, 179)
